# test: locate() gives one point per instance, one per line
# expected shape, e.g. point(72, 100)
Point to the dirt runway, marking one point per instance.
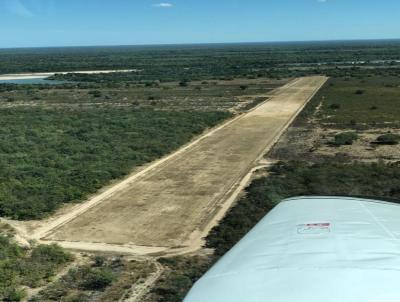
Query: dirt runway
point(169, 203)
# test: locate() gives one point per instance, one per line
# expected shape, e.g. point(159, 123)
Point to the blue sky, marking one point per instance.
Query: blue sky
point(26, 23)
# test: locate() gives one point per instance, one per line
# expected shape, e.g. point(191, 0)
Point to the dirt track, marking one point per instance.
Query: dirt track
point(167, 205)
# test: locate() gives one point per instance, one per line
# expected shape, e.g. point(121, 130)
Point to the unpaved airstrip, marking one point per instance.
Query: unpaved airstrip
point(169, 204)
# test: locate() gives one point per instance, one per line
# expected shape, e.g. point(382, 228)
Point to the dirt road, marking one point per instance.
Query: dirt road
point(166, 206)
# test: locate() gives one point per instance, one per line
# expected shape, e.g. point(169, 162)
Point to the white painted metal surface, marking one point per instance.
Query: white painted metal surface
point(312, 249)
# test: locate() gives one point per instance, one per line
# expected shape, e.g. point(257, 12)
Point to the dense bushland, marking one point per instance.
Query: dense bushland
point(376, 180)
point(33, 268)
point(50, 157)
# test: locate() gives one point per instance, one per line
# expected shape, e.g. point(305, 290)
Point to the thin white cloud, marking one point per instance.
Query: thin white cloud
point(17, 7)
point(322, 1)
point(163, 5)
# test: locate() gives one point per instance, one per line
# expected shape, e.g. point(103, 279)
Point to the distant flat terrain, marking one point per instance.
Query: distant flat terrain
point(167, 204)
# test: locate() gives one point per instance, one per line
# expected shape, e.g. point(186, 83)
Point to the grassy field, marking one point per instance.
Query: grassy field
point(368, 107)
point(372, 101)
point(49, 157)
point(195, 96)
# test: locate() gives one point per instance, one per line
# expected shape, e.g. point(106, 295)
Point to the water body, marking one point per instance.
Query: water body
point(40, 81)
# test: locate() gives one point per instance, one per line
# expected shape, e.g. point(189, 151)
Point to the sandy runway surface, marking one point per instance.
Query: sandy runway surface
point(165, 205)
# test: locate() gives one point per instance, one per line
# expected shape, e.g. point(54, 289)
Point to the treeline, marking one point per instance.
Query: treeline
point(167, 63)
point(49, 157)
point(4, 87)
point(110, 79)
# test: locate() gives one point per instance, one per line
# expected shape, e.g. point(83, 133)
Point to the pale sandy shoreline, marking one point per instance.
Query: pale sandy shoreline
point(41, 75)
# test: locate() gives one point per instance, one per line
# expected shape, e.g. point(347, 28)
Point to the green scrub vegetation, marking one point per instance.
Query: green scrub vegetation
point(53, 156)
point(27, 267)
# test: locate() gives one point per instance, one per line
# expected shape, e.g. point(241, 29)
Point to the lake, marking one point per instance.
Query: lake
point(32, 81)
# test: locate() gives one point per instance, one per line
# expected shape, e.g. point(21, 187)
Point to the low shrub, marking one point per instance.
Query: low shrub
point(50, 253)
point(334, 106)
point(97, 279)
point(344, 138)
point(12, 294)
point(388, 139)
point(184, 83)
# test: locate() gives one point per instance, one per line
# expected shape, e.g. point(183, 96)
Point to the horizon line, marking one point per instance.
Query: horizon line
point(206, 43)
